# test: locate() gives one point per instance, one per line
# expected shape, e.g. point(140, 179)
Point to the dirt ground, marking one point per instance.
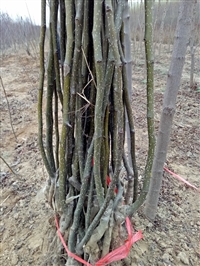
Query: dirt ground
point(26, 227)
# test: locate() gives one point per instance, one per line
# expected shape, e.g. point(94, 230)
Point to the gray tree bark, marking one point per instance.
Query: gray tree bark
point(181, 41)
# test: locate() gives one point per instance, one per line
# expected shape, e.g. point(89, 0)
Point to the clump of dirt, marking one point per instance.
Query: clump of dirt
point(26, 226)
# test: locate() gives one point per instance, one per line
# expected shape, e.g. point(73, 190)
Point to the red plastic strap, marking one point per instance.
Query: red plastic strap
point(180, 178)
point(70, 254)
point(117, 254)
point(123, 251)
point(108, 181)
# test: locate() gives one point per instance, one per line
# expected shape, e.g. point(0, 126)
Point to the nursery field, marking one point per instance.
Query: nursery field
point(26, 221)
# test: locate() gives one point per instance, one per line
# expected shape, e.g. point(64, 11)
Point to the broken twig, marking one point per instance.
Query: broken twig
point(8, 108)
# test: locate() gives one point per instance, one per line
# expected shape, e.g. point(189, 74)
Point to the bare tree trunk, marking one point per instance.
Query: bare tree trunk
point(141, 26)
point(193, 46)
point(173, 82)
point(131, 193)
point(150, 105)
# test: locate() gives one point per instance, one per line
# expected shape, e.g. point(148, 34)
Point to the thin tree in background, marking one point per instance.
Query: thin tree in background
point(161, 29)
point(181, 41)
point(88, 89)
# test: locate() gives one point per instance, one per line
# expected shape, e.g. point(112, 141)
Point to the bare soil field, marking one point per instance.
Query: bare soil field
point(26, 220)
